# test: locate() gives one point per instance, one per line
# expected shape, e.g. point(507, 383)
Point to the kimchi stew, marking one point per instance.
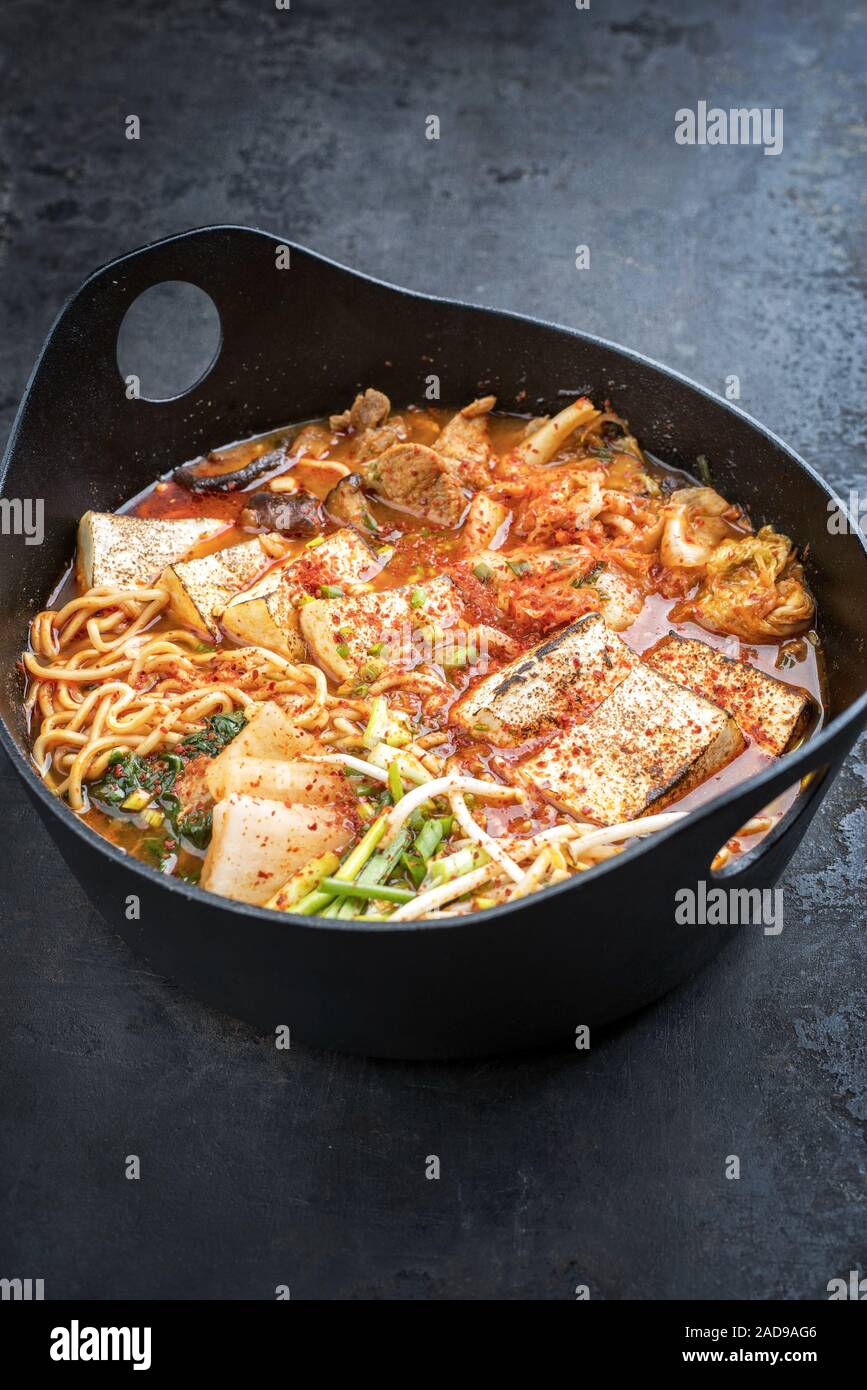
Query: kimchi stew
point(412, 665)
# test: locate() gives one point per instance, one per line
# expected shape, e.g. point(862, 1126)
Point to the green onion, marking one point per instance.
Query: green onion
point(314, 902)
point(375, 869)
point(330, 591)
point(415, 868)
point(342, 650)
point(368, 890)
point(589, 578)
point(482, 571)
point(395, 785)
point(137, 800)
point(453, 865)
point(417, 598)
point(364, 849)
point(395, 851)
point(317, 540)
point(373, 669)
point(375, 649)
point(519, 566)
point(377, 724)
point(428, 839)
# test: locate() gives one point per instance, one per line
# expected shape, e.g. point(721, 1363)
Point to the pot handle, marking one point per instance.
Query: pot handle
point(705, 832)
point(80, 353)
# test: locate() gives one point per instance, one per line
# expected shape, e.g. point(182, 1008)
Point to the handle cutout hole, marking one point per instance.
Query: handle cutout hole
point(767, 825)
point(168, 341)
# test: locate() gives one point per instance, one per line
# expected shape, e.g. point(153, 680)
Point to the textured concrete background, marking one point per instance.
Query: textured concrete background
point(261, 1168)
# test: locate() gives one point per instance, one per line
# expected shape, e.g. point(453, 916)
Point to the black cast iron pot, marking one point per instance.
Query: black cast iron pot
point(297, 343)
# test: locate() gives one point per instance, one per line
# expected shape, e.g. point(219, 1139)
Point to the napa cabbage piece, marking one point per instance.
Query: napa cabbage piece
point(697, 519)
point(541, 446)
point(753, 589)
point(486, 524)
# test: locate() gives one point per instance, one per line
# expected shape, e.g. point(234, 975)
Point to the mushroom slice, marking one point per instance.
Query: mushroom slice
point(211, 475)
point(296, 513)
point(347, 503)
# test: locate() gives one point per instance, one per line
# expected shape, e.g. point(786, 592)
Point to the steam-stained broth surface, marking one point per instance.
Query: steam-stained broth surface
point(596, 537)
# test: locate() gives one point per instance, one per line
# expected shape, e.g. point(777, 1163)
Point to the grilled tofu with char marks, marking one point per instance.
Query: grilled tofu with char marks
point(648, 744)
point(567, 675)
point(267, 613)
point(773, 714)
point(119, 551)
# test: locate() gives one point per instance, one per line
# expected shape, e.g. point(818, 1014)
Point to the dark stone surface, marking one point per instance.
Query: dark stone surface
point(259, 1167)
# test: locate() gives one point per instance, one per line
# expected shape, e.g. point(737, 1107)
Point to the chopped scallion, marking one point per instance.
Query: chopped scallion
point(377, 724)
point(382, 891)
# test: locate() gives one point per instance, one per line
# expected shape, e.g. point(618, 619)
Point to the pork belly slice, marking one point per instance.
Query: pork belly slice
point(565, 676)
point(648, 744)
point(343, 633)
point(420, 481)
point(200, 589)
point(267, 613)
point(770, 712)
point(118, 551)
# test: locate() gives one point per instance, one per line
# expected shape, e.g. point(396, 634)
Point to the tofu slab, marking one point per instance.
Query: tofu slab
point(201, 588)
point(648, 744)
point(567, 675)
point(341, 632)
point(267, 613)
point(771, 713)
point(119, 551)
